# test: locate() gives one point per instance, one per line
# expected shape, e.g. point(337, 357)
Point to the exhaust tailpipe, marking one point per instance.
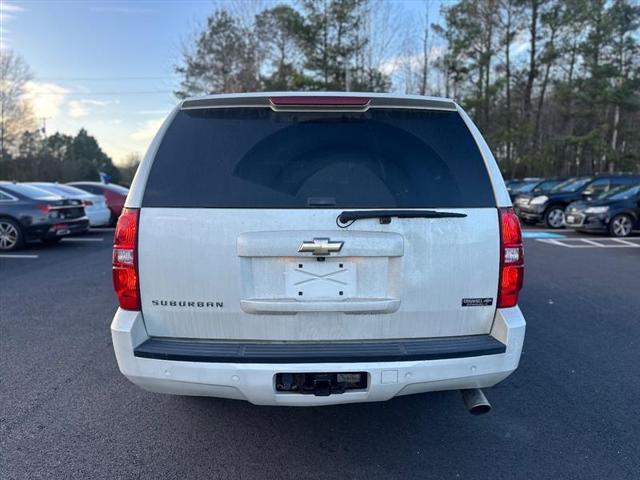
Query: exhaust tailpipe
point(475, 401)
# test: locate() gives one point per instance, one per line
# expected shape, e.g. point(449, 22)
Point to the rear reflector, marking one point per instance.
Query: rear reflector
point(125, 260)
point(319, 101)
point(511, 259)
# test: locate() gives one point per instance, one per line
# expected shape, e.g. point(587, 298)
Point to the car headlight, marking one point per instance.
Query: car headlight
point(539, 200)
point(597, 210)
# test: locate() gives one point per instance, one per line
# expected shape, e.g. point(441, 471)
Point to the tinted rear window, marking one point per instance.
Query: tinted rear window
point(64, 189)
point(28, 191)
point(87, 187)
point(257, 158)
point(118, 189)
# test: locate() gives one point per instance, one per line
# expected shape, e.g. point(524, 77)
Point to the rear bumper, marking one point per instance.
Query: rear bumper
point(255, 381)
point(59, 228)
point(530, 216)
point(98, 216)
point(593, 223)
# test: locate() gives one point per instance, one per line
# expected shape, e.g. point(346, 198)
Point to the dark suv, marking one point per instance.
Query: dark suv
point(550, 206)
point(29, 213)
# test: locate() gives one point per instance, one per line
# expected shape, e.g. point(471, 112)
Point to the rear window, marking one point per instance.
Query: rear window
point(257, 158)
point(28, 191)
point(88, 188)
point(118, 189)
point(63, 189)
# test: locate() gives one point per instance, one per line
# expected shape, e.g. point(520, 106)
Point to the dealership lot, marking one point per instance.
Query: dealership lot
point(570, 411)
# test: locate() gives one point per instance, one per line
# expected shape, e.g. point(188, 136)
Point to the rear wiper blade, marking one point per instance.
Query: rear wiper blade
point(348, 217)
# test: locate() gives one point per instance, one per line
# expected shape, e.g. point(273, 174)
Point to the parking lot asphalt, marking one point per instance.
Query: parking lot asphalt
point(569, 411)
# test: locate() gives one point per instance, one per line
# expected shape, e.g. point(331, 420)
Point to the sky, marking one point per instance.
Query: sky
point(107, 66)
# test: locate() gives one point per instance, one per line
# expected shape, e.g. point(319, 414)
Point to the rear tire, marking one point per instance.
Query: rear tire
point(621, 225)
point(554, 217)
point(11, 235)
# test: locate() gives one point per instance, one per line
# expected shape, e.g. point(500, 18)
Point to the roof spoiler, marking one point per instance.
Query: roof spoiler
point(317, 101)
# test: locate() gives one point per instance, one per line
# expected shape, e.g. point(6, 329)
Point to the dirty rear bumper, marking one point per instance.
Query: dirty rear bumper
point(481, 362)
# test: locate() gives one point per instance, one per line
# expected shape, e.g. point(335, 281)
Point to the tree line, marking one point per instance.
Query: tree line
point(552, 84)
point(26, 153)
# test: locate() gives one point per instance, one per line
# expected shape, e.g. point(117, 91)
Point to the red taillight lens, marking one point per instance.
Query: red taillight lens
point(44, 208)
point(87, 203)
point(511, 259)
point(125, 260)
point(319, 100)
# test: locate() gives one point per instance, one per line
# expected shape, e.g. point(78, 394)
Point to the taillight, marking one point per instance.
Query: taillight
point(44, 208)
point(125, 260)
point(319, 100)
point(87, 203)
point(511, 259)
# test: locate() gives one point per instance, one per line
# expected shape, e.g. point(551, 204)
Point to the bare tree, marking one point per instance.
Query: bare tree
point(15, 111)
point(129, 167)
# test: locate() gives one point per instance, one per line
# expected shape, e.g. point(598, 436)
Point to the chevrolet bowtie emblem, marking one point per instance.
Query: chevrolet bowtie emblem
point(320, 246)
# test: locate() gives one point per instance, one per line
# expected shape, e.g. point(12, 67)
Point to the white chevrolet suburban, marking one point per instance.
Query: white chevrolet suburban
point(315, 249)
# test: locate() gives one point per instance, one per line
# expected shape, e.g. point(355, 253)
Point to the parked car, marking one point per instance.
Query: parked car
point(315, 249)
point(517, 183)
point(522, 187)
point(29, 213)
point(550, 207)
point(114, 194)
point(531, 189)
point(95, 206)
point(524, 195)
point(617, 213)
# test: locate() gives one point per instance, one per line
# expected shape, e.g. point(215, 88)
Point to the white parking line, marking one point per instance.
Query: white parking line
point(593, 242)
point(590, 242)
point(559, 243)
point(10, 255)
point(83, 239)
point(626, 242)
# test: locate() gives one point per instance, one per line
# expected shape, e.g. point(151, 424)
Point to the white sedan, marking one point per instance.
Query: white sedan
point(95, 206)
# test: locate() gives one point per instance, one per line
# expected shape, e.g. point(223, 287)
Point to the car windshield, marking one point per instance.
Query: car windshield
point(27, 190)
point(624, 193)
point(571, 185)
point(527, 187)
point(546, 185)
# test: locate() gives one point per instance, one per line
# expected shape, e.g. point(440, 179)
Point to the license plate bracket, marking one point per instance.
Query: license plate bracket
point(321, 384)
point(330, 279)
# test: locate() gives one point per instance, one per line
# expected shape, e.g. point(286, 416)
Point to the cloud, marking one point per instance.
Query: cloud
point(121, 9)
point(8, 7)
point(7, 14)
point(520, 43)
point(46, 98)
point(152, 112)
point(394, 64)
point(82, 108)
point(147, 130)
